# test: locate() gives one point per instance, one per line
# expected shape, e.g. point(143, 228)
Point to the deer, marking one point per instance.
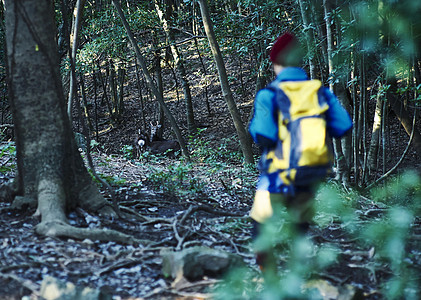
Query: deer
point(154, 143)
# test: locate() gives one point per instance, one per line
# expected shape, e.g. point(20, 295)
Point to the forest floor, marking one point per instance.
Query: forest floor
point(212, 196)
point(214, 218)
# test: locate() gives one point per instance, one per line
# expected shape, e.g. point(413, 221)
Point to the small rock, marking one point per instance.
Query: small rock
point(328, 291)
point(196, 262)
point(53, 289)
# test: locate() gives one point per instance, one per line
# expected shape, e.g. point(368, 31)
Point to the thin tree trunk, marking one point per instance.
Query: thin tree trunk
point(149, 80)
point(355, 118)
point(341, 164)
point(318, 21)
point(179, 63)
point(245, 140)
point(121, 77)
point(384, 135)
point(113, 90)
point(160, 86)
point(104, 84)
point(205, 76)
point(403, 115)
point(85, 104)
point(375, 134)
point(140, 95)
point(304, 7)
point(77, 22)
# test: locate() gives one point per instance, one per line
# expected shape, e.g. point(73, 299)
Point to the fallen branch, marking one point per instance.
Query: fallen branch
point(118, 265)
point(387, 174)
point(21, 266)
point(208, 209)
point(177, 236)
point(136, 214)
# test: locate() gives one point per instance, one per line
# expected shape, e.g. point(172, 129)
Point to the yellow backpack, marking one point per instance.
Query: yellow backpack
point(302, 154)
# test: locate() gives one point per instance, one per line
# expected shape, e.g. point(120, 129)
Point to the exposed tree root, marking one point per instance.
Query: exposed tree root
point(58, 229)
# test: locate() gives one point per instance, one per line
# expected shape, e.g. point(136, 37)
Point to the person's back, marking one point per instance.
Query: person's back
point(293, 118)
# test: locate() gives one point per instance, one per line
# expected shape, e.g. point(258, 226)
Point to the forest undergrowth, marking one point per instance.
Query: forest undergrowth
point(364, 244)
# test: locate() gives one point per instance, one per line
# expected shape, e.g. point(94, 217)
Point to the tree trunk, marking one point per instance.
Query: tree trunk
point(403, 115)
point(179, 63)
point(245, 140)
point(149, 80)
point(375, 135)
point(51, 172)
point(76, 24)
point(341, 163)
point(304, 7)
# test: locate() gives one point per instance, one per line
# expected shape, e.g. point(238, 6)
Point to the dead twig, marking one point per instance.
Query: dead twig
point(177, 236)
point(118, 265)
point(136, 214)
point(208, 209)
point(387, 174)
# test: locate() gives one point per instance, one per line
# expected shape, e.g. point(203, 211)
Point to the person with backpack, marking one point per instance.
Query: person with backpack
point(294, 117)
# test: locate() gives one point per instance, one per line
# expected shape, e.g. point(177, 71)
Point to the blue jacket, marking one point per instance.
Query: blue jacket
point(264, 124)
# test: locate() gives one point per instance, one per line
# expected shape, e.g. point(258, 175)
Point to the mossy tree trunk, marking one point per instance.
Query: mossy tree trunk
point(51, 172)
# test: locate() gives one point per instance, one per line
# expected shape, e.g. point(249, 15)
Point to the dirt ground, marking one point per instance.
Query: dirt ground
point(134, 271)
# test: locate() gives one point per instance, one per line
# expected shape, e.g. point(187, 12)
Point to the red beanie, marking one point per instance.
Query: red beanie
point(281, 44)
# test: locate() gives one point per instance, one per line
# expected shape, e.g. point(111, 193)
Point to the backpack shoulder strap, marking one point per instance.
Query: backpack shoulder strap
point(282, 100)
point(322, 96)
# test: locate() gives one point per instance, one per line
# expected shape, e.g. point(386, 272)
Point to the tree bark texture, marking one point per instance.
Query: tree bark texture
point(244, 137)
point(51, 171)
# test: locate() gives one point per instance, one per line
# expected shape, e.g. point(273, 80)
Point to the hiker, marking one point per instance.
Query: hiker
point(293, 117)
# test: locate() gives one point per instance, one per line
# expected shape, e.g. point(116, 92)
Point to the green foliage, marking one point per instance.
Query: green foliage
point(127, 151)
point(402, 190)
point(106, 37)
point(208, 163)
point(175, 179)
point(246, 35)
point(389, 235)
point(334, 204)
point(7, 150)
point(202, 151)
point(302, 261)
point(238, 284)
point(113, 180)
point(390, 29)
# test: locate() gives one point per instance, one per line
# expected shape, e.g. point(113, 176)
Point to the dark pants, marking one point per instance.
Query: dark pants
point(301, 210)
